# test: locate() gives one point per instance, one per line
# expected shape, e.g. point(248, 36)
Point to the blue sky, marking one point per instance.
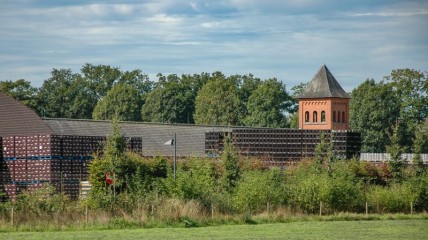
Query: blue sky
point(288, 40)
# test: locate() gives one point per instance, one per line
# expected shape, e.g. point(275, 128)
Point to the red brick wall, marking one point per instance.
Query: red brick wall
point(329, 106)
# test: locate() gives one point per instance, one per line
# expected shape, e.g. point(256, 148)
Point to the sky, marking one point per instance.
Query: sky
point(288, 40)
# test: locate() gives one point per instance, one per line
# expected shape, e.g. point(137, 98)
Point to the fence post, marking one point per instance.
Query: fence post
point(212, 210)
point(86, 214)
point(367, 208)
point(320, 208)
point(411, 207)
point(12, 216)
point(267, 207)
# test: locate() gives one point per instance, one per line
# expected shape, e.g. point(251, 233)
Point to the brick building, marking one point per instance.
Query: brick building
point(324, 105)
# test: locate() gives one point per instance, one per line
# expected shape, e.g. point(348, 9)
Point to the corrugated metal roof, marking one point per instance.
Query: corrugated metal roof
point(190, 138)
point(324, 85)
point(18, 120)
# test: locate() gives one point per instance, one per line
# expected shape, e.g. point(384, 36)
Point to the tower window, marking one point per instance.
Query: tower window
point(334, 116)
point(315, 116)
point(343, 117)
point(306, 116)
point(338, 116)
point(323, 116)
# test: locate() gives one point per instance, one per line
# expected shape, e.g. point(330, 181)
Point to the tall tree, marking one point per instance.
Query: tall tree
point(267, 104)
point(64, 95)
point(170, 101)
point(218, 102)
point(400, 99)
point(411, 87)
point(294, 107)
point(20, 90)
point(100, 78)
point(123, 101)
point(374, 109)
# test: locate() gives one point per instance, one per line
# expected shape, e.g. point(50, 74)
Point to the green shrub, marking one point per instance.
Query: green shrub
point(258, 188)
point(391, 199)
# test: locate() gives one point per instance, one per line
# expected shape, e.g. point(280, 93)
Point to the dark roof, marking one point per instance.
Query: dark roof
point(18, 120)
point(190, 138)
point(324, 85)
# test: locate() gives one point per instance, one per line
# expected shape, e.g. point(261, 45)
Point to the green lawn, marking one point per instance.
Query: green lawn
point(376, 229)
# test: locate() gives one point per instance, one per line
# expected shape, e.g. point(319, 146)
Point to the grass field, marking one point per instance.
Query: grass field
point(376, 229)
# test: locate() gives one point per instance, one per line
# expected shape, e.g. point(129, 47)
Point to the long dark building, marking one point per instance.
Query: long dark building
point(36, 151)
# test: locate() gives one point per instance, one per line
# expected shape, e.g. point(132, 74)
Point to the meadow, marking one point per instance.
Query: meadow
point(365, 229)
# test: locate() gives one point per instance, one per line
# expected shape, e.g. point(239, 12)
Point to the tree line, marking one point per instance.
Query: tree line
point(102, 91)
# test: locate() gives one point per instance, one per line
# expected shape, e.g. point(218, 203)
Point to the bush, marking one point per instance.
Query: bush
point(393, 199)
point(257, 188)
point(42, 200)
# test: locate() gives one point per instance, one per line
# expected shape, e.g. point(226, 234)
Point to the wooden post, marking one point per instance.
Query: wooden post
point(320, 208)
point(152, 210)
point(12, 216)
point(267, 207)
point(411, 207)
point(86, 214)
point(212, 210)
point(367, 208)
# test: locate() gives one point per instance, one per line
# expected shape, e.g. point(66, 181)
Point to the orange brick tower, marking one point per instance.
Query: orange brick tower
point(324, 105)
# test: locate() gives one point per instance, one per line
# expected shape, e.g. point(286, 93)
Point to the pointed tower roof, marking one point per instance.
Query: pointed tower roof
point(324, 85)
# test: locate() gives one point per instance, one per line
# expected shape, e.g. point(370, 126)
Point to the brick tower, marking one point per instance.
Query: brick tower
point(324, 105)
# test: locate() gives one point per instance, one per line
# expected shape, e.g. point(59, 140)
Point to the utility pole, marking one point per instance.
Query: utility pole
point(175, 155)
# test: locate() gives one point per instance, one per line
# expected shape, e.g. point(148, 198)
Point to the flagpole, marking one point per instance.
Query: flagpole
point(175, 155)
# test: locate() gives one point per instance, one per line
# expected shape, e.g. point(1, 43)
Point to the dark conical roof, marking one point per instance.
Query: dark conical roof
point(324, 85)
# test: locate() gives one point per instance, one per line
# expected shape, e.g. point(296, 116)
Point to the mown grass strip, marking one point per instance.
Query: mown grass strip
point(379, 229)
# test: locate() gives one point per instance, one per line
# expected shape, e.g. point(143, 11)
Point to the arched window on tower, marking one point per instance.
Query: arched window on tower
point(338, 116)
point(323, 116)
point(343, 117)
point(306, 116)
point(334, 116)
point(315, 116)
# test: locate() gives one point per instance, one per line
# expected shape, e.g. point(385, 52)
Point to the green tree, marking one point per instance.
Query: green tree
point(65, 95)
point(267, 104)
point(411, 88)
point(231, 170)
point(171, 101)
point(294, 106)
point(20, 90)
point(100, 78)
point(401, 97)
point(218, 102)
point(123, 101)
point(373, 109)
point(396, 163)
point(420, 145)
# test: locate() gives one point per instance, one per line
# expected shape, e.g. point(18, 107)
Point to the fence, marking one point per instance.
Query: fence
point(385, 157)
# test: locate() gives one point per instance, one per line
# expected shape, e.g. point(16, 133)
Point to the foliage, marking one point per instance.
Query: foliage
point(20, 90)
point(231, 169)
point(267, 104)
point(123, 101)
point(373, 109)
point(42, 200)
point(395, 150)
point(324, 153)
point(195, 180)
point(402, 97)
point(171, 101)
point(65, 95)
point(257, 189)
point(218, 102)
